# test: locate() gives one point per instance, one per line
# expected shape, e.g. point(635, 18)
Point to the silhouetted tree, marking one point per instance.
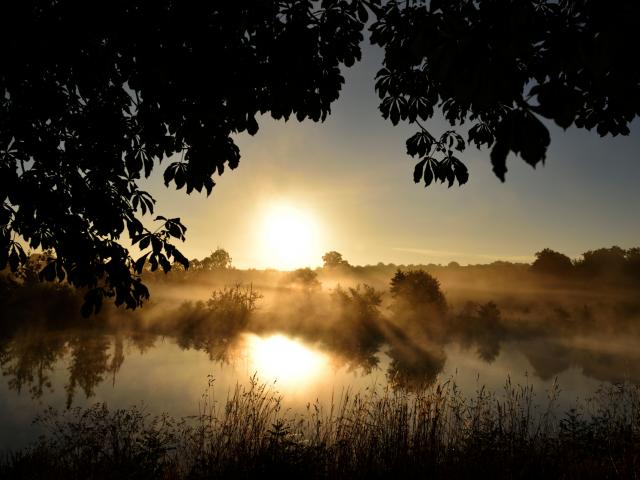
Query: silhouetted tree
point(95, 96)
point(219, 259)
point(551, 262)
point(305, 278)
point(633, 263)
point(358, 335)
point(334, 259)
point(416, 289)
point(603, 262)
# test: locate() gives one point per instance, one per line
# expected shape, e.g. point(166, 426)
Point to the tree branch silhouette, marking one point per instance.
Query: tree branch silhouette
point(96, 97)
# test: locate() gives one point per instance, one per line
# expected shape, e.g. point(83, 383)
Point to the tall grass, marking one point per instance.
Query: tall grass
point(435, 432)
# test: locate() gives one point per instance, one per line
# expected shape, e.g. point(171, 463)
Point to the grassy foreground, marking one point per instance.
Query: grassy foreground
point(432, 433)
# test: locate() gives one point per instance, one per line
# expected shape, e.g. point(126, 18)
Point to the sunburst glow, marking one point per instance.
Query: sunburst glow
point(290, 238)
point(285, 360)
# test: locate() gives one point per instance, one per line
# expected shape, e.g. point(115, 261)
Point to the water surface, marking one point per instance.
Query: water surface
point(69, 368)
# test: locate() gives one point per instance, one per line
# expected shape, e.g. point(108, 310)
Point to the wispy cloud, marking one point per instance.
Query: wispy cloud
point(463, 256)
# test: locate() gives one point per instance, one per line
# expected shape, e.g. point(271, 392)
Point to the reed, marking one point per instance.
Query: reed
point(380, 432)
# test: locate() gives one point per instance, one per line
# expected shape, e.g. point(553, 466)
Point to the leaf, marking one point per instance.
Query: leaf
point(419, 143)
point(148, 163)
point(428, 175)
point(208, 185)
point(153, 260)
point(139, 265)
point(450, 175)
point(383, 82)
point(149, 202)
point(480, 134)
point(144, 242)
point(174, 230)
point(460, 170)
point(439, 170)
point(164, 262)
point(180, 179)
point(363, 15)
point(156, 243)
point(180, 258)
point(528, 137)
point(499, 159)
point(417, 171)
point(170, 173)
point(252, 125)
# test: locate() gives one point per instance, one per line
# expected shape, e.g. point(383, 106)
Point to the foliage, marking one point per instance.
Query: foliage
point(552, 263)
point(363, 301)
point(353, 325)
point(95, 97)
point(436, 432)
point(304, 278)
point(219, 259)
point(233, 305)
point(356, 334)
point(504, 66)
point(603, 261)
point(417, 288)
point(334, 259)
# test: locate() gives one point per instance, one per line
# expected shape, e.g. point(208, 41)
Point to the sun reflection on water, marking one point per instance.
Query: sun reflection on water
point(285, 360)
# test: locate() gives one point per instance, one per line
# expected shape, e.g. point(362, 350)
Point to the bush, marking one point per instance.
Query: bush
point(416, 289)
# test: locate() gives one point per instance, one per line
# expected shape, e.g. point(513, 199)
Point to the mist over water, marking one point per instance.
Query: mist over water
point(313, 336)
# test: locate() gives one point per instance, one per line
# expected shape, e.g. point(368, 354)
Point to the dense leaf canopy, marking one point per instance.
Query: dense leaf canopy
point(95, 96)
point(501, 65)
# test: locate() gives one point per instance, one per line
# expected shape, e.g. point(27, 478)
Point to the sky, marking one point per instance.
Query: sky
point(303, 189)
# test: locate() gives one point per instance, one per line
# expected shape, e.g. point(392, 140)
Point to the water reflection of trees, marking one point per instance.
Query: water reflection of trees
point(28, 360)
point(357, 326)
point(88, 363)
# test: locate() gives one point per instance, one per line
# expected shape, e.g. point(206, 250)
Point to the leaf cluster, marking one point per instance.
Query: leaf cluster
point(94, 97)
point(504, 66)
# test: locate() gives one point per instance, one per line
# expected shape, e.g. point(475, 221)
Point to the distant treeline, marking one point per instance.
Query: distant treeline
point(613, 265)
point(611, 262)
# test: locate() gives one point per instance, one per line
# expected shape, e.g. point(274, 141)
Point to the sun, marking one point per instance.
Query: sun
point(289, 237)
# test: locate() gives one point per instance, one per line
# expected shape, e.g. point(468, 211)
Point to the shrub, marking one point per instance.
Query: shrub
point(418, 289)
